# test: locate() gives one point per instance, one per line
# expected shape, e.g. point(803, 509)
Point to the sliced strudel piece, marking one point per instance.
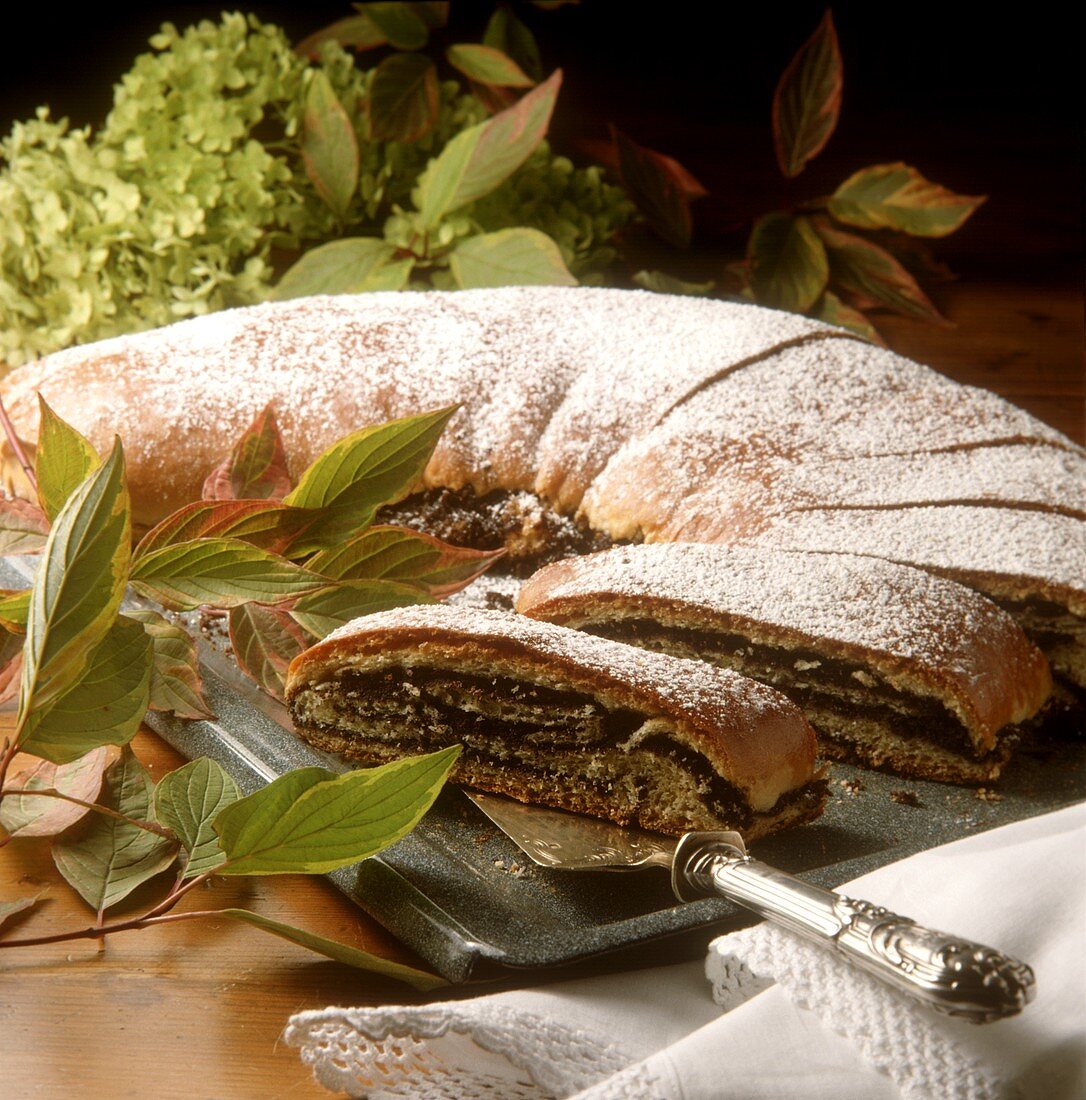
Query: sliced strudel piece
point(893, 667)
point(555, 716)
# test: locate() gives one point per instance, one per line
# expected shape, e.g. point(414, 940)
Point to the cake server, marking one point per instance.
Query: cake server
point(952, 975)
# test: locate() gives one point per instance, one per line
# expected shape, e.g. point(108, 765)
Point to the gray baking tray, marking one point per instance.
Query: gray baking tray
point(466, 900)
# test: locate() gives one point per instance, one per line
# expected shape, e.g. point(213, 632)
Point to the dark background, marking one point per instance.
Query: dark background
point(979, 102)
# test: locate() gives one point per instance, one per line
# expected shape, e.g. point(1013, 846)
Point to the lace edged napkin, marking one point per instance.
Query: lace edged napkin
point(785, 1018)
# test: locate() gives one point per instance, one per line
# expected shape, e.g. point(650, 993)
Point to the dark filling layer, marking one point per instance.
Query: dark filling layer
point(508, 718)
point(820, 683)
point(530, 530)
point(1047, 623)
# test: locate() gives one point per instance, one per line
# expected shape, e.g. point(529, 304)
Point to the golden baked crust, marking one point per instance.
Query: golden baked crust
point(597, 750)
point(867, 647)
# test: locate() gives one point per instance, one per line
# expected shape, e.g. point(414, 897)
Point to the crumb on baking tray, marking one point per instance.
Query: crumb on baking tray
point(851, 786)
point(985, 794)
point(905, 798)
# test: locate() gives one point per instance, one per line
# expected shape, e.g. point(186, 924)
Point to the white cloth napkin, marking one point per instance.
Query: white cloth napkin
point(788, 1019)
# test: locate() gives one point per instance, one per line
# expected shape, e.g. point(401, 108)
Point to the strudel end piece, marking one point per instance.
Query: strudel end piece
point(555, 716)
point(893, 667)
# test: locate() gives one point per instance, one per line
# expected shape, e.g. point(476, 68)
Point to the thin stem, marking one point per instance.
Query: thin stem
point(97, 933)
point(52, 792)
point(17, 446)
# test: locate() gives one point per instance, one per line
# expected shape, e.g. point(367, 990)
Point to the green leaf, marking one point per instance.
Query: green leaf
point(808, 99)
point(332, 607)
point(62, 461)
point(507, 33)
point(402, 26)
point(357, 32)
point(788, 264)
point(24, 527)
point(77, 588)
point(509, 257)
point(27, 815)
point(262, 523)
point(480, 158)
point(218, 572)
point(349, 266)
point(265, 640)
point(831, 309)
point(871, 276)
point(188, 801)
point(659, 186)
point(315, 823)
point(8, 909)
point(662, 283)
point(410, 557)
point(104, 706)
point(488, 66)
point(256, 467)
point(329, 146)
point(14, 609)
point(361, 473)
point(175, 678)
point(895, 196)
point(340, 952)
point(403, 98)
point(110, 858)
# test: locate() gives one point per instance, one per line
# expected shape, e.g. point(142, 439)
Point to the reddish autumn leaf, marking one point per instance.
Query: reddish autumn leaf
point(11, 665)
point(895, 196)
point(495, 100)
point(33, 815)
point(409, 557)
point(329, 145)
point(24, 527)
point(265, 640)
point(256, 468)
point(357, 32)
point(403, 99)
point(831, 309)
point(787, 265)
point(660, 187)
point(505, 32)
point(808, 99)
point(487, 65)
point(262, 523)
point(869, 276)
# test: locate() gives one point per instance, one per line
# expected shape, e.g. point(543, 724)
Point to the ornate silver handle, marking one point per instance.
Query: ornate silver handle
point(952, 975)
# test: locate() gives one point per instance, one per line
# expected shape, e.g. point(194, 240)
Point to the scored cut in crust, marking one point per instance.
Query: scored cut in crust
point(559, 717)
point(892, 666)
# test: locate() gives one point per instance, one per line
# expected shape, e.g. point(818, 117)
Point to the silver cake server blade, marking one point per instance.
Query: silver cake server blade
point(951, 975)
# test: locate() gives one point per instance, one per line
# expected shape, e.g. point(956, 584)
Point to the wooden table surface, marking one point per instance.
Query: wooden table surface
point(196, 1009)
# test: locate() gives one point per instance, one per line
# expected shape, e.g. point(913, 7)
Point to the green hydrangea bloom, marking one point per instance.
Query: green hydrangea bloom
point(195, 184)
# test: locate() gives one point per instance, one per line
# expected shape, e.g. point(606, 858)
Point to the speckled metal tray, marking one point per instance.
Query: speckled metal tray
point(461, 895)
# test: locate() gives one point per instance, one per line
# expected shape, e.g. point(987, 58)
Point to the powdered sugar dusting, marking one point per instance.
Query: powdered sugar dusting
point(839, 604)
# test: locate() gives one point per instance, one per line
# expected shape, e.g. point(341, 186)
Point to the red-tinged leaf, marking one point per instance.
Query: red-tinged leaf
point(831, 309)
point(401, 24)
point(658, 186)
point(495, 100)
point(256, 468)
point(869, 274)
point(403, 99)
point(24, 527)
point(410, 557)
point(34, 815)
point(329, 145)
point(9, 909)
point(480, 158)
point(176, 686)
point(808, 99)
point(487, 65)
point(357, 32)
point(265, 640)
point(507, 33)
point(788, 268)
point(895, 196)
point(10, 672)
point(261, 523)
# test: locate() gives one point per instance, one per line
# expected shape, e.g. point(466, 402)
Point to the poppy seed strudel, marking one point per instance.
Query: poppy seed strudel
point(558, 717)
point(893, 666)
